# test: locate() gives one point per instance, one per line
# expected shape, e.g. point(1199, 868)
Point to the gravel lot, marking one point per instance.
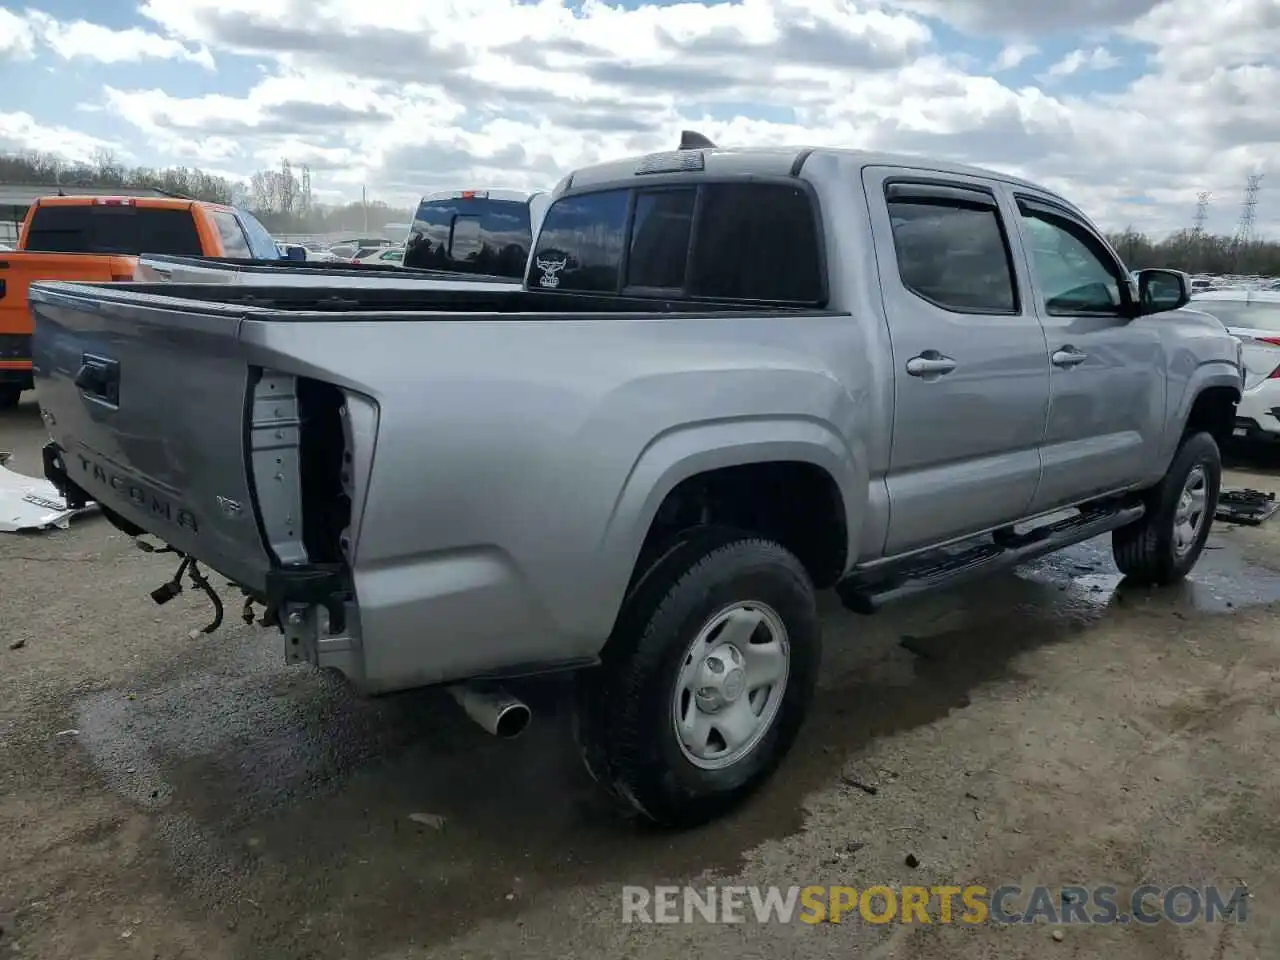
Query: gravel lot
point(162, 797)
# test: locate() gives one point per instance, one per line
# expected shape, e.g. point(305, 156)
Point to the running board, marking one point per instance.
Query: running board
point(869, 591)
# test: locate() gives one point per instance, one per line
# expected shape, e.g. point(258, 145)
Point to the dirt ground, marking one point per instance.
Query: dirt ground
point(163, 797)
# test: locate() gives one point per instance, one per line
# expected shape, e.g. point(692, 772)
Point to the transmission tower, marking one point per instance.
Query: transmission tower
point(1249, 211)
point(306, 188)
point(1202, 213)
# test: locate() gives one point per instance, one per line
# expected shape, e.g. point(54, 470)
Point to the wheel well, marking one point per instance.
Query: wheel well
point(794, 503)
point(1214, 412)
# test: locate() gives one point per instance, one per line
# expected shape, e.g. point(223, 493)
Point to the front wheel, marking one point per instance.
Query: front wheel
point(704, 685)
point(1163, 545)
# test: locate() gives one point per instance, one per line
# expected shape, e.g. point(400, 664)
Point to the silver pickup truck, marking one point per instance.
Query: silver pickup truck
point(734, 377)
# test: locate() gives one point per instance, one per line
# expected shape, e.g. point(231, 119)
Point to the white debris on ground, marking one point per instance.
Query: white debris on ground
point(30, 504)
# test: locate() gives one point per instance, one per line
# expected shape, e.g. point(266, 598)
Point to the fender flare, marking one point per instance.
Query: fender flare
point(1211, 373)
point(690, 449)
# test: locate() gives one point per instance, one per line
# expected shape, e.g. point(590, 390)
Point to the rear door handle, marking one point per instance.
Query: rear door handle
point(99, 378)
point(930, 364)
point(1068, 357)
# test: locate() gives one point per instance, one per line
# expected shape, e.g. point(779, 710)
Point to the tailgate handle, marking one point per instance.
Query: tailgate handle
point(99, 378)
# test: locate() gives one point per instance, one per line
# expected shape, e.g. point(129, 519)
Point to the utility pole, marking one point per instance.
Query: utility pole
point(364, 206)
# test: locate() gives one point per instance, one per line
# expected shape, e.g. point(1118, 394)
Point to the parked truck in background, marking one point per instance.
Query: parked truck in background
point(475, 231)
point(735, 377)
point(96, 238)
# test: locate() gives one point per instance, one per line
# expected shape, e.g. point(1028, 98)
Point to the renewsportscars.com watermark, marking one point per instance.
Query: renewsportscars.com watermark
point(1073, 904)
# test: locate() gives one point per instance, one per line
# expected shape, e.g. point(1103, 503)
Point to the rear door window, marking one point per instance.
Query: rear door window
point(113, 228)
point(757, 241)
point(233, 239)
point(954, 254)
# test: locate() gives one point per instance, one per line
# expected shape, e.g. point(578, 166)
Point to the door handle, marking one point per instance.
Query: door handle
point(930, 364)
point(1068, 357)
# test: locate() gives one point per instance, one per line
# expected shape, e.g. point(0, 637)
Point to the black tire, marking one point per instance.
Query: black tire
point(624, 718)
point(1145, 550)
point(9, 397)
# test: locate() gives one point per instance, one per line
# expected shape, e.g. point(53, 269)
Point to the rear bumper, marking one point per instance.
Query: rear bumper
point(1247, 428)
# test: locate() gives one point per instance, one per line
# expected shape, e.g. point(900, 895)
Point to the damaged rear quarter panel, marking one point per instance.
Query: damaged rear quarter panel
point(498, 527)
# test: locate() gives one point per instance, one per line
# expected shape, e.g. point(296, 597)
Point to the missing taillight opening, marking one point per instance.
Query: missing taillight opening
point(326, 506)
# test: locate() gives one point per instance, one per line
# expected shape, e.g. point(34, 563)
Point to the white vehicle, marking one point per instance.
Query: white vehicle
point(319, 255)
point(359, 254)
point(1253, 317)
point(390, 256)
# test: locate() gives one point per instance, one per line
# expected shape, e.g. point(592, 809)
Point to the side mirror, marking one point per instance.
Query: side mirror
point(293, 252)
point(1161, 290)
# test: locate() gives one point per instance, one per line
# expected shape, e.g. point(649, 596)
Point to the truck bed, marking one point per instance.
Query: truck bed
point(323, 300)
point(184, 410)
point(225, 270)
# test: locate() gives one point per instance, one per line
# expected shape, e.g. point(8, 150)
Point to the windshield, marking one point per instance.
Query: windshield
point(471, 235)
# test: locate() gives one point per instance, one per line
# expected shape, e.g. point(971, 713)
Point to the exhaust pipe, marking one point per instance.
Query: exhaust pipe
point(493, 708)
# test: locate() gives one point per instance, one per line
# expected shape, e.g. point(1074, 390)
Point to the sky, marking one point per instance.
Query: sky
point(1130, 108)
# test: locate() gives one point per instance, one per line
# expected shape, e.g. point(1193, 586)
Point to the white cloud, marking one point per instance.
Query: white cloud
point(495, 92)
point(1081, 60)
point(1021, 18)
point(17, 39)
point(22, 132)
point(79, 39)
point(1013, 55)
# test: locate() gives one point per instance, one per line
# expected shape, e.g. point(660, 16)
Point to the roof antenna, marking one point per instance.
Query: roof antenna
point(693, 140)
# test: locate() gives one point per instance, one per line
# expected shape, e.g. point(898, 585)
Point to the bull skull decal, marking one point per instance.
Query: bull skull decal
point(550, 271)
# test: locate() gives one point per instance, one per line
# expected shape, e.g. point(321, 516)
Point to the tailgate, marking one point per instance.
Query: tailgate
point(146, 398)
point(18, 270)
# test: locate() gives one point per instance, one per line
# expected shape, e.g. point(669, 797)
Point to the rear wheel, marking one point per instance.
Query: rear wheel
point(1163, 546)
point(9, 396)
point(704, 685)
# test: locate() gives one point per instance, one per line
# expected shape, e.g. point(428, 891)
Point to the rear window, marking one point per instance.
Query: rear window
point(475, 235)
point(581, 242)
point(125, 230)
point(1240, 313)
point(751, 241)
